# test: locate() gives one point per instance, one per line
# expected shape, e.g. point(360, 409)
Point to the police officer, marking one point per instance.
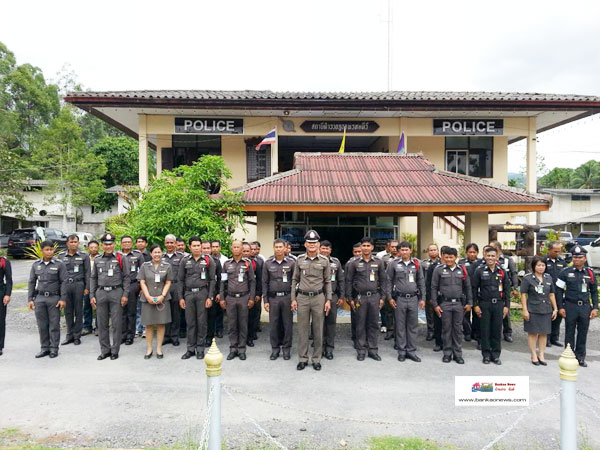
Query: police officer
point(89, 325)
point(136, 259)
point(311, 297)
point(436, 321)
point(78, 285)
point(196, 280)
point(387, 312)
point(141, 244)
point(575, 286)
point(238, 286)
point(356, 252)
point(277, 292)
point(6, 284)
point(471, 262)
point(173, 257)
point(510, 268)
point(491, 297)
point(433, 254)
point(338, 286)
point(46, 289)
point(451, 296)
point(407, 297)
point(215, 308)
point(215, 248)
point(366, 276)
point(109, 292)
point(554, 265)
point(254, 313)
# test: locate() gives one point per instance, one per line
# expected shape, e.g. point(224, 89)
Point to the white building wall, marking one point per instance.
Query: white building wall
point(564, 210)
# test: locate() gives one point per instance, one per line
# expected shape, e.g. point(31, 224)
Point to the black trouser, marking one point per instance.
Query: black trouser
point(437, 329)
point(367, 323)
point(254, 319)
point(196, 319)
point(212, 314)
point(74, 309)
point(467, 330)
point(2, 318)
point(578, 319)
point(555, 334)
point(387, 316)
point(491, 328)
point(130, 312)
point(353, 323)
point(475, 327)
point(88, 313)
point(506, 326)
point(172, 330)
point(430, 317)
point(281, 321)
point(329, 324)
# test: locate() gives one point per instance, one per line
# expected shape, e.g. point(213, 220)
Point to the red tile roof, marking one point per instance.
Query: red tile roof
point(379, 179)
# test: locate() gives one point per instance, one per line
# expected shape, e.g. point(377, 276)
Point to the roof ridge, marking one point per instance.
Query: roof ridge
point(266, 180)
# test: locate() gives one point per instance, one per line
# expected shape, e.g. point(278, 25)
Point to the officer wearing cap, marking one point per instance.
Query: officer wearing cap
point(311, 297)
point(338, 286)
point(576, 284)
point(554, 266)
point(109, 291)
point(366, 277)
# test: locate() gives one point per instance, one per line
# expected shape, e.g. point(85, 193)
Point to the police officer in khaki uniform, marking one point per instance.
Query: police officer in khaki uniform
point(366, 277)
point(109, 292)
point(407, 297)
point(196, 280)
point(311, 297)
point(338, 297)
point(277, 292)
point(46, 289)
point(451, 296)
point(136, 259)
point(78, 285)
point(238, 286)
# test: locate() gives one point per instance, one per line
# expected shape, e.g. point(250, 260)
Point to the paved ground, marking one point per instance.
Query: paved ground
point(75, 400)
point(20, 268)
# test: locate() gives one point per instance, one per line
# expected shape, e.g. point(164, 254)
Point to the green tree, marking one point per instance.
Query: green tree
point(120, 154)
point(180, 202)
point(557, 178)
point(587, 176)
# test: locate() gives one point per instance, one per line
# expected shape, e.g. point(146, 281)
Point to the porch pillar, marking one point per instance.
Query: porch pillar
point(265, 229)
point(531, 182)
point(143, 153)
point(425, 233)
point(476, 228)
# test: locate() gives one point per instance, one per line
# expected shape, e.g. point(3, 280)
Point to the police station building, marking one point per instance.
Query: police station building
point(451, 169)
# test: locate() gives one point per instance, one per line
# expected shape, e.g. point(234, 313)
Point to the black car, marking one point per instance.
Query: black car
point(24, 238)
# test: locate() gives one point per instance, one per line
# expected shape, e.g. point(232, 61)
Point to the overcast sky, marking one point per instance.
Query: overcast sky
point(521, 46)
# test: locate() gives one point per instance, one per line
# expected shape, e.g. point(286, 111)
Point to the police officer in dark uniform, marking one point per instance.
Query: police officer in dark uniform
point(196, 280)
point(6, 284)
point(366, 277)
point(356, 252)
point(338, 285)
point(471, 262)
point(451, 295)
point(510, 268)
point(213, 311)
point(254, 313)
point(554, 265)
point(407, 297)
point(136, 259)
point(238, 286)
point(434, 322)
point(491, 297)
point(173, 257)
point(276, 290)
point(46, 289)
point(109, 293)
point(576, 284)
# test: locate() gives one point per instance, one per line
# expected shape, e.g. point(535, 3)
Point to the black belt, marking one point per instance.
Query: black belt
point(491, 300)
point(368, 293)
point(73, 280)
point(406, 295)
point(279, 293)
point(239, 294)
point(47, 293)
point(579, 302)
point(198, 289)
point(310, 293)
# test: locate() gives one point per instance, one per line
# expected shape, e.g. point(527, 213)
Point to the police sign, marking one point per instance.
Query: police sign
point(468, 127)
point(199, 125)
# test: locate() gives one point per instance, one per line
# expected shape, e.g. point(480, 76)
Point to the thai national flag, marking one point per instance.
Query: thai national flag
point(270, 138)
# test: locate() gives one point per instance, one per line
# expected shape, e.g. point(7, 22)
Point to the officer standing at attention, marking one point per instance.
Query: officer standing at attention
point(46, 287)
point(238, 286)
point(136, 259)
point(554, 265)
point(196, 280)
point(491, 297)
point(387, 312)
point(173, 257)
point(88, 327)
point(338, 286)
point(451, 295)
point(407, 297)
point(433, 254)
point(109, 291)
point(277, 291)
point(141, 243)
point(510, 268)
point(356, 252)
point(6, 284)
point(471, 262)
point(575, 286)
point(437, 320)
point(215, 248)
point(78, 285)
point(254, 313)
point(311, 297)
point(367, 277)
point(180, 246)
point(212, 311)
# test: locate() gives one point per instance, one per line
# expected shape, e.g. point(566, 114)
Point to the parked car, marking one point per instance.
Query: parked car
point(3, 240)
point(584, 238)
point(542, 237)
point(593, 255)
point(22, 239)
point(84, 239)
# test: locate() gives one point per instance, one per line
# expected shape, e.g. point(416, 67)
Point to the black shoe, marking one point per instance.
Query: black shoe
point(486, 360)
point(301, 365)
point(396, 347)
point(167, 341)
point(555, 342)
point(199, 355)
point(148, 355)
point(388, 337)
point(317, 366)
point(250, 343)
point(413, 357)
point(459, 360)
point(208, 342)
point(374, 356)
point(242, 356)
point(53, 354)
point(274, 355)
point(401, 358)
point(77, 341)
point(188, 355)
point(286, 356)
point(182, 334)
point(231, 355)
point(103, 356)
point(67, 341)
point(175, 342)
point(360, 357)
point(86, 331)
point(467, 338)
point(535, 363)
point(582, 363)
point(254, 337)
point(114, 356)
point(128, 341)
point(1, 352)
point(499, 363)
point(159, 355)
point(446, 359)
point(328, 355)
point(220, 334)
point(548, 344)
point(429, 337)
point(508, 338)
point(437, 348)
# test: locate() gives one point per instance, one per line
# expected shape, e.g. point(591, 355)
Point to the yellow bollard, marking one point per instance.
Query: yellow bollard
point(568, 390)
point(213, 360)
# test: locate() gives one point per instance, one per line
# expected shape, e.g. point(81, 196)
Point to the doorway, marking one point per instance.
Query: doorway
point(342, 239)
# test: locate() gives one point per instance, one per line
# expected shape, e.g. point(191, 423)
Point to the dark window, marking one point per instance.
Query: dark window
point(470, 156)
point(189, 148)
point(580, 197)
point(258, 162)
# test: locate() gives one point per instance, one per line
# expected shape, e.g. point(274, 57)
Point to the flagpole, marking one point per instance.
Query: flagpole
point(275, 153)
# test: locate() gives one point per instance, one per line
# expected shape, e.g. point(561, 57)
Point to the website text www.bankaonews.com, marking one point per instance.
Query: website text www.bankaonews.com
point(492, 400)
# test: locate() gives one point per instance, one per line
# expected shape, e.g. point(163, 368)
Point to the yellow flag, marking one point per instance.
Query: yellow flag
point(343, 142)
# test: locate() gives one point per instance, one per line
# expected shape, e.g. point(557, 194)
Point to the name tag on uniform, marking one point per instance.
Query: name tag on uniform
point(224, 276)
point(76, 269)
point(133, 267)
point(285, 280)
point(241, 275)
point(110, 272)
point(500, 287)
point(584, 287)
point(372, 276)
point(539, 289)
point(203, 275)
point(333, 276)
point(411, 277)
point(157, 277)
